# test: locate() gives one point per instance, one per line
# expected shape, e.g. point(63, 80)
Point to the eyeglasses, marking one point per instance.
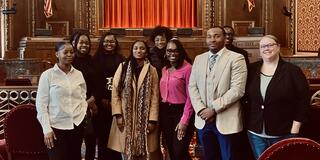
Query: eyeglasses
point(172, 50)
point(109, 41)
point(264, 46)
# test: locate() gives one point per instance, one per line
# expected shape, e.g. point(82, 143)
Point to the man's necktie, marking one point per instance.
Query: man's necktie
point(212, 61)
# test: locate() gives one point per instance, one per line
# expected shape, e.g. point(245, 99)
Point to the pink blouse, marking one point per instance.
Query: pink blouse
point(174, 89)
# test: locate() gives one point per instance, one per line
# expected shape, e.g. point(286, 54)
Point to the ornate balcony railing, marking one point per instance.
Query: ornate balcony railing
point(12, 96)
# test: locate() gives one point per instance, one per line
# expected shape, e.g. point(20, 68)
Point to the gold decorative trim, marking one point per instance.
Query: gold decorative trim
point(291, 27)
point(80, 14)
point(209, 14)
point(92, 18)
point(220, 12)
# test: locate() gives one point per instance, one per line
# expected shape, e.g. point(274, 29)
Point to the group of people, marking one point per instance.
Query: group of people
point(123, 105)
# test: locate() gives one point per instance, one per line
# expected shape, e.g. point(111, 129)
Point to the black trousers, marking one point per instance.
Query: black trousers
point(102, 125)
point(90, 138)
point(68, 144)
point(170, 115)
point(242, 146)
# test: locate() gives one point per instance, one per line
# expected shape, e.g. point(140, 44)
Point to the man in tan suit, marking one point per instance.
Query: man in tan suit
point(217, 83)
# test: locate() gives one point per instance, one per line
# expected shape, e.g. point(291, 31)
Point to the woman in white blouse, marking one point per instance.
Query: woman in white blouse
point(61, 105)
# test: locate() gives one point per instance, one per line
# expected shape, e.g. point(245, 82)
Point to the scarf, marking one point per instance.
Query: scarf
point(136, 116)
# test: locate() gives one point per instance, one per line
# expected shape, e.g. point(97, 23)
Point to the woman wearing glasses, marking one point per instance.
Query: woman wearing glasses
point(107, 59)
point(176, 112)
point(278, 98)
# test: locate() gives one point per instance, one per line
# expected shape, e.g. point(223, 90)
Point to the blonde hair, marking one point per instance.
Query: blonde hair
point(272, 37)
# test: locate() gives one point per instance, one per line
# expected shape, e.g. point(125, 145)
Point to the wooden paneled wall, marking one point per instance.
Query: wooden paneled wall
point(30, 16)
point(43, 48)
point(87, 14)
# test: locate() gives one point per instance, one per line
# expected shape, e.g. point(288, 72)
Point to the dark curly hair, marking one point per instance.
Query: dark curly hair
point(161, 30)
point(222, 29)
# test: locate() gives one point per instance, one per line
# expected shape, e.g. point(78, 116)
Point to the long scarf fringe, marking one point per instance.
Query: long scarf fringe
point(136, 116)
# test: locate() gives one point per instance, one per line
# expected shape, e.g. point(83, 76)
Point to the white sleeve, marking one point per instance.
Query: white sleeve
point(42, 102)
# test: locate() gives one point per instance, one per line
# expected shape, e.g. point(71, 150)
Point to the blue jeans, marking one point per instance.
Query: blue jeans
point(216, 146)
point(260, 144)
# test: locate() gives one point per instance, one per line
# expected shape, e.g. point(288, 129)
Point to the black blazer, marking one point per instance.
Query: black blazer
point(287, 99)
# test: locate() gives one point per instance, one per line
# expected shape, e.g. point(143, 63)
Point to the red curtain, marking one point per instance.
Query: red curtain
point(149, 13)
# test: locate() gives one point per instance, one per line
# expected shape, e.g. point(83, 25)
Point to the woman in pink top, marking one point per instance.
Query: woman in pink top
point(176, 112)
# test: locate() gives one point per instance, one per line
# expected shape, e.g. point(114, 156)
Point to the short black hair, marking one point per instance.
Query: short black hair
point(229, 28)
point(223, 31)
point(73, 36)
point(60, 46)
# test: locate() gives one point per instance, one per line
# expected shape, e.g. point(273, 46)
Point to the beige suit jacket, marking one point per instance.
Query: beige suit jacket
point(229, 79)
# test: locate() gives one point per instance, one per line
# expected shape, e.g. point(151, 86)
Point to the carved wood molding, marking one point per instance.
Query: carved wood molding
point(291, 27)
point(209, 14)
point(92, 17)
point(81, 14)
point(267, 6)
point(86, 15)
